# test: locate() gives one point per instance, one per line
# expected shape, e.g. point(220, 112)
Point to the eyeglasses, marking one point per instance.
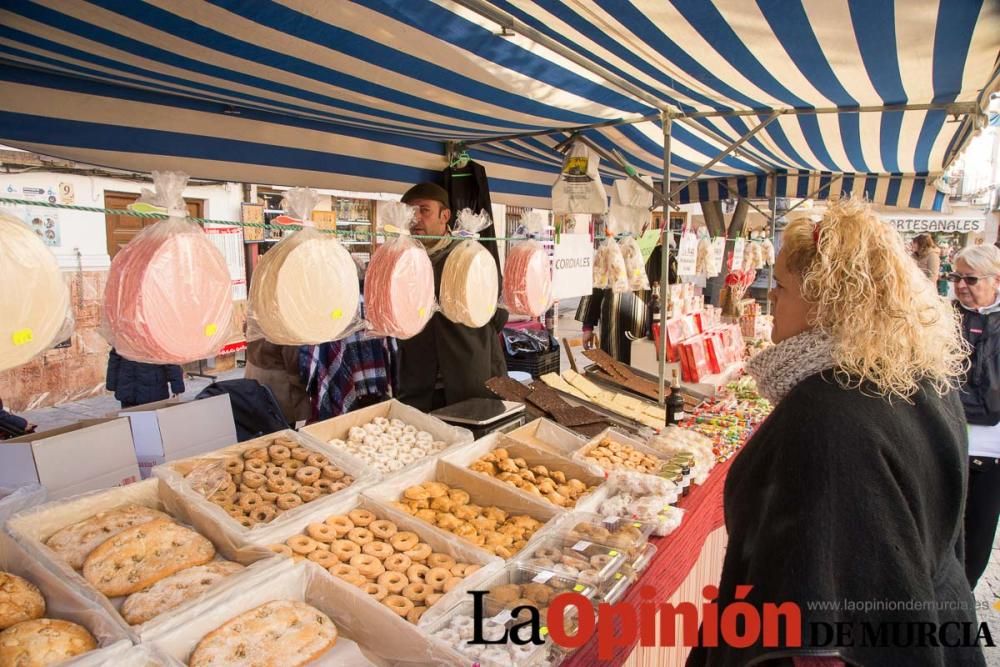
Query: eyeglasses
point(969, 280)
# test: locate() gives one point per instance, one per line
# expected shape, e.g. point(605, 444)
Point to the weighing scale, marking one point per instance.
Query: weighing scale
point(483, 416)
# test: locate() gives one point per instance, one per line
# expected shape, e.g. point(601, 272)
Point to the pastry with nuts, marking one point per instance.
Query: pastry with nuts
point(610, 454)
point(538, 480)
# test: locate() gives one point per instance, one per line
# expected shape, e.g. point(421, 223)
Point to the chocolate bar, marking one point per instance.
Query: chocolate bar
point(508, 389)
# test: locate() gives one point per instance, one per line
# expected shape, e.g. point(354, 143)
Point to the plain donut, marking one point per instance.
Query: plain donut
point(404, 540)
point(394, 582)
point(380, 550)
point(398, 563)
point(341, 525)
point(383, 529)
point(345, 550)
point(322, 532)
point(361, 518)
point(377, 591)
point(398, 604)
point(369, 566)
point(436, 577)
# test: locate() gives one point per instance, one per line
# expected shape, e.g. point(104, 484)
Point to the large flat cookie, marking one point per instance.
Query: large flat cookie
point(43, 642)
point(74, 543)
point(176, 589)
point(141, 556)
point(20, 600)
point(282, 633)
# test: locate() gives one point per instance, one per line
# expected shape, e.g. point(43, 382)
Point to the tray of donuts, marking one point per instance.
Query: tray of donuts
point(295, 614)
point(390, 436)
point(556, 479)
point(131, 554)
point(255, 487)
point(493, 517)
point(396, 560)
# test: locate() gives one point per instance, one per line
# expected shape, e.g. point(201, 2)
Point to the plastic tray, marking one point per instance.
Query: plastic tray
point(626, 535)
point(587, 562)
point(615, 588)
point(642, 561)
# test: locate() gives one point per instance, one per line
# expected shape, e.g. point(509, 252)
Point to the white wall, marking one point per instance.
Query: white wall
point(84, 231)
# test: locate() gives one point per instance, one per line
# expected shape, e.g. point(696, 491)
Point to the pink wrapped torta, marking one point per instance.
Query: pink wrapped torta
point(34, 298)
point(399, 289)
point(527, 285)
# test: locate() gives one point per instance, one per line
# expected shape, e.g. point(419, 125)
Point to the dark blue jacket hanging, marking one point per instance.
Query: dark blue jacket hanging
point(135, 383)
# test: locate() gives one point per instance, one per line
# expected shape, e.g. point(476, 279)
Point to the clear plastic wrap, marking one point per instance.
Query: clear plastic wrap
point(469, 282)
point(15, 499)
point(306, 289)
point(527, 275)
point(169, 294)
point(610, 271)
point(631, 204)
point(34, 299)
point(646, 498)
point(635, 267)
point(32, 528)
point(579, 188)
point(399, 282)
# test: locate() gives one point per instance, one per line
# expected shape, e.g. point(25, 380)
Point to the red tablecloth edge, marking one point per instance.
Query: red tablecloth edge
point(676, 555)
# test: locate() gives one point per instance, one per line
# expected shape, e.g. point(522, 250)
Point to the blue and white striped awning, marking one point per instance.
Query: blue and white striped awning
point(362, 95)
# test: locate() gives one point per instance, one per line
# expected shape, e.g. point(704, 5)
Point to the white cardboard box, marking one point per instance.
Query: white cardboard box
point(170, 430)
point(87, 456)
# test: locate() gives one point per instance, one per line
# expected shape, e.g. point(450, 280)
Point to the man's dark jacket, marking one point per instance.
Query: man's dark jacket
point(842, 496)
point(135, 383)
point(464, 357)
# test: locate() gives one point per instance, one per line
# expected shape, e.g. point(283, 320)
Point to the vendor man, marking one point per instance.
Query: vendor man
point(446, 362)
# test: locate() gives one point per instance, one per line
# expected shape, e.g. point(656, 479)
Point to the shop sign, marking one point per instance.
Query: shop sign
point(687, 255)
point(937, 223)
point(739, 247)
point(573, 266)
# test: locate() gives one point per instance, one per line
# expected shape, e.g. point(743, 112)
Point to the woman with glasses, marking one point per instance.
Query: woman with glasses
point(977, 279)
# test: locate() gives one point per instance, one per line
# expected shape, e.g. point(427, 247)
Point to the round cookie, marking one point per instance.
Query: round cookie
point(43, 641)
point(20, 600)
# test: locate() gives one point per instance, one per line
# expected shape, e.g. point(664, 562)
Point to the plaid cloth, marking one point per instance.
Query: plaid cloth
point(343, 374)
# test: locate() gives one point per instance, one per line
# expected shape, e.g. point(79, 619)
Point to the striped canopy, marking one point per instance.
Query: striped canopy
point(361, 95)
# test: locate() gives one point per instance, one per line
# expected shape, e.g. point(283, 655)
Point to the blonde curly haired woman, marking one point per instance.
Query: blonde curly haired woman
point(852, 490)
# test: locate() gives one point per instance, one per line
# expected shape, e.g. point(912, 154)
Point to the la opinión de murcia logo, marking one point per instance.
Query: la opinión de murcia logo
point(570, 621)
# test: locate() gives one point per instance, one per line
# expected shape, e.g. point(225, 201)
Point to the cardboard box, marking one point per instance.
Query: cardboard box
point(549, 436)
point(170, 430)
point(87, 456)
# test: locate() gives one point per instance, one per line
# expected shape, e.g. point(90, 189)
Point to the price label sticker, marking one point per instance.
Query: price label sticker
point(211, 329)
point(502, 617)
point(613, 553)
point(337, 314)
point(22, 337)
point(544, 630)
point(542, 577)
point(582, 545)
point(611, 520)
point(578, 588)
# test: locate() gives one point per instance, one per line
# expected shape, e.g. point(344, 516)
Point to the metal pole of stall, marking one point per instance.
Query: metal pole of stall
point(665, 257)
point(774, 226)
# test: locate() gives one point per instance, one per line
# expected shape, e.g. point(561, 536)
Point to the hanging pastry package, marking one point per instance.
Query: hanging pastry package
point(169, 294)
point(579, 188)
point(306, 289)
point(631, 204)
point(635, 268)
point(399, 282)
point(527, 284)
point(610, 271)
point(35, 311)
point(470, 282)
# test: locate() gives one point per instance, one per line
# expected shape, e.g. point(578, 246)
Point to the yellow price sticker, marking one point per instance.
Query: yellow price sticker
point(211, 329)
point(618, 575)
point(337, 314)
point(22, 337)
point(578, 588)
point(613, 553)
point(636, 272)
point(544, 631)
point(421, 312)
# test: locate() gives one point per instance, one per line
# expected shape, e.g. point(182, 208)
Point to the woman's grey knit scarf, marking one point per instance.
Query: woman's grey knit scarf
point(779, 368)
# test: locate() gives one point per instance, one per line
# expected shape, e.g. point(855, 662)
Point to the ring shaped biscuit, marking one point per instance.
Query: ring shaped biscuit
point(263, 513)
point(415, 614)
point(322, 532)
point(404, 540)
point(235, 466)
point(324, 558)
point(383, 529)
point(380, 550)
point(259, 454)
point(253, 480)
point(280, 485)
point(281, 549)
point(377, 591)
point(300, 453)
point(308, 493)
point(440, 560)
point(398, 604)
point(398, 563)
point(361, 518)
point(249, 500)
point(307, 474)
point(287, 501)
point(279, 453)
point(417, 572)
point(361, 536)
point(317, 460)
point(417, 592)
point(267, 496)
point(459, 570)
point(276, 473)
point(436, 577)
point(245, 521)
point(340, 524)
point(345, 550)
point(419, 553)
point(291, 465)
point(324, 486)
point(302, 544)
point(369, 566)
point(394, 582)
point(333, 473)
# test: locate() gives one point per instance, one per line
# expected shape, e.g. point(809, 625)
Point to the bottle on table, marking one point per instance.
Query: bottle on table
point(675, 402)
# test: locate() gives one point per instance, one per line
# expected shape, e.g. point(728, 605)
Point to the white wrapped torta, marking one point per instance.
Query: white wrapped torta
point(305, 291)
point(169, 294)
point(34, 298)
point(469, 282)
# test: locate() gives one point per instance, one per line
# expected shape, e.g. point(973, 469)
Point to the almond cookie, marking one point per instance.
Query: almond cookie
point(20, 600)
point(74, 543)
point(176, 589)
point(141, 556)
point(282, 632)
point(42, 642)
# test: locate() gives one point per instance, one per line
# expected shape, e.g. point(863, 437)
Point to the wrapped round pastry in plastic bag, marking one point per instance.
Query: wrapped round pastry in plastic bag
point(399, 282)
point(527, 284)
point(169, 294)
point(34, 300)
point(635, 267)
point(469, 282)
point(609, 267)
point(306, 289)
